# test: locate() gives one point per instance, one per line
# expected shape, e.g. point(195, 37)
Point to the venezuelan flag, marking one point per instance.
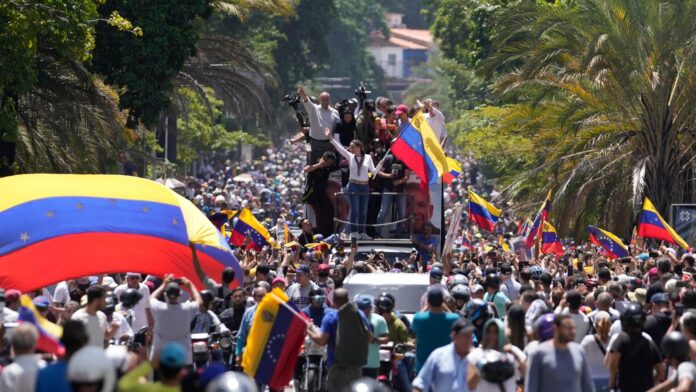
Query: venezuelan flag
point(524, 227)
point(536, 229)
point(49, 333)
point(455, 169)
point(503, 245)
point(484, 214)
point(418, 148)
point(550, 244)
point(274, 341)
point(248, 226)
point(653, 226)
point(67, 226)
point(612, 244)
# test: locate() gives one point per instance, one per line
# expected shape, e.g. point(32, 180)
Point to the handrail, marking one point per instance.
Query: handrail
point(337, 221)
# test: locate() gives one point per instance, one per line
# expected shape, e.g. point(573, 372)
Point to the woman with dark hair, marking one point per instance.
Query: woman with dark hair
point(516, 328)
point(595, 347)
point(360, 165)
point(495, 365)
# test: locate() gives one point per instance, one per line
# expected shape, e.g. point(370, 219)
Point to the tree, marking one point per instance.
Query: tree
point(607, 92)
point(143, 67)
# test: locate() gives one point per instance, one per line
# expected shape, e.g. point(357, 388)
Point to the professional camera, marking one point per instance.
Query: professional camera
point(361, 93)
point(294, 102)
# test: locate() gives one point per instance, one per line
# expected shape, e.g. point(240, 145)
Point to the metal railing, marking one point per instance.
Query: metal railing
point(393, 207)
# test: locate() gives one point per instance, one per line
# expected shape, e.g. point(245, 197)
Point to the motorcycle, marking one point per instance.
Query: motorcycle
point(313, 362)
point(389, 357)
point(226, 344)
point(200, 349)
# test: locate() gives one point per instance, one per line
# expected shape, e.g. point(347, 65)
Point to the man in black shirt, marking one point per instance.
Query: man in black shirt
point(395, 184)
point(660, 318)
point(315, 194)
point(632, 357)
point(232, 316)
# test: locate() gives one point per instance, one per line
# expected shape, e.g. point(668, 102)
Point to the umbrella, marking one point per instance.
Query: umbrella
point(245, 177)
point(173, 183)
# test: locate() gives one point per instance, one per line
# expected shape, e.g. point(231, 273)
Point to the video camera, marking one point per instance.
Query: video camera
point(361, 93)
point(294, 102)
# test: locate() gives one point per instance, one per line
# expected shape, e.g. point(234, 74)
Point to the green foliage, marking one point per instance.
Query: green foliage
point(200, 128)
point(144, 66)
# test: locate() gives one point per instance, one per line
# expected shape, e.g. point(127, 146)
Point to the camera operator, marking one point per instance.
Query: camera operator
point(365, 123)
point(320, 117)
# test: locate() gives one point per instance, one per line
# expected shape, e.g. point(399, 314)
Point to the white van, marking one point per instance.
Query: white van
point(406, 288)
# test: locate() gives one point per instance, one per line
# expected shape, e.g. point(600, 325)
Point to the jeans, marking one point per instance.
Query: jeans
point(601, 384)
point(405, 370)
point(399, 202)
point(358, 196)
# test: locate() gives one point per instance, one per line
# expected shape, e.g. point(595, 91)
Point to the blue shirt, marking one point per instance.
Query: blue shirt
point(53, 378)
point(329, 325)
point(244, 329)
point(444, 370)
point(432, 331)
point(316, 314)
point(424, 252)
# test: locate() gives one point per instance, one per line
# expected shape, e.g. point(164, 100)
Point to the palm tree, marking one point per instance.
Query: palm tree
point(69, 121)
point(609, 91)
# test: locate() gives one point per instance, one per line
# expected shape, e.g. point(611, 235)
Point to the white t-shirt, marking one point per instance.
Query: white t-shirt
point(61, 294)
point(96, 326)
point(595, 358)
point(124, 329)
point(686, 370)
point(20, 376)
point(172, 324)
point(510, 385)
point(367, 165)
point(139, 310)
point(437, 123)
point(582, 324)
point(9, 315)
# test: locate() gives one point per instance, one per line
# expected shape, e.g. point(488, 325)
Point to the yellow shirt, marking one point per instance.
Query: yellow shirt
point(131, 382)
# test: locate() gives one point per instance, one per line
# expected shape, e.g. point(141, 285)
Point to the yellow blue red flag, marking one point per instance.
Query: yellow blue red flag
point(483, 213)
point(535, 231)
point(274, 341)
point(455, 169)
point(612, 244)
point(49, 333)
point(550, 244)
point(419, 149)
point(653, 226)
point(247, 226)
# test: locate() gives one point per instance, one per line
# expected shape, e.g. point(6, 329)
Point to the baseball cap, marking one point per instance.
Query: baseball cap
point(132, 274)
point(436, 273)
point(109, 282)
point(638, 295)
point(364, 302)
point(401, 109)
point(435, 296)
point(302, 269)
point(173, 355)
point(476, 288)
point(652, 271)
point(324, 267)
point(278, 280)
point(172, 289)
point(659, 298)
point(41, 302)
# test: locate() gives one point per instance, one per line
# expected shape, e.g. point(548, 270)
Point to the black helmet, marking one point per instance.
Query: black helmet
point(495, 367)
point(384, 303)
point(492, 280)
point(110, 305)
point(227, 275)
point(461, 292)
point(477, 310)
point(390, 296)
point(458, 279)
point(367, 384)
point(130, 297)
point(632, 316)
point(207, 296)
point(675, 345)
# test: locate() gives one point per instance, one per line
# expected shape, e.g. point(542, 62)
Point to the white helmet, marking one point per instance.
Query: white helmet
point(91, 365)
point(232, 382)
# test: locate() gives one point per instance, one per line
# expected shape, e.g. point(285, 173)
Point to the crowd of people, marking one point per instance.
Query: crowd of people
point(491, 319)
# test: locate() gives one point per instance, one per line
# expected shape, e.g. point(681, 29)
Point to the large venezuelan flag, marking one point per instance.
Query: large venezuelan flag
point(62, 226)
point(484, 214)
point(418, 148)
point(653, 226)
point(538, 225)
point(247, 225)
point(608, 241)
point(49, 333)
point(550, 244)
point(274, 341)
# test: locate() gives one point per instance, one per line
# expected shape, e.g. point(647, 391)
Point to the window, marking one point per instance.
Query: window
point(391, 60)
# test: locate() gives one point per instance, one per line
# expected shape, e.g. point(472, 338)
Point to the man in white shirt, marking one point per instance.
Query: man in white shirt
point(435, 119)
point(320, 117)
point(142, 317)
point(8, 315)
point(98, 328)
point(173, 318)
point(509, 286)
point(582, 323)
point(20, 376)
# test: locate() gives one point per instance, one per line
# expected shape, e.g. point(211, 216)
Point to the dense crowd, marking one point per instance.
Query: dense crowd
point(490, 319)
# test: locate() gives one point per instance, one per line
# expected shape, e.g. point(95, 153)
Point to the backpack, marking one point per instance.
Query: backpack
point(351, 338)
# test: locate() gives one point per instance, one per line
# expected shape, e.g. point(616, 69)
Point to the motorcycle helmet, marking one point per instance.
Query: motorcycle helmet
point(495, 367)
point(675, 345)
point(544, 326)
point(492, 280)
point(130, 297)
point(232, 382)
point(385, 304)
point(207, 296)
point(390, 296)
point(90, 365)
point(110, 305)
point(632, 316)
point(460, 292)
point(477, 312)
point(536, 272)
point(455, 280)
point(367, 384)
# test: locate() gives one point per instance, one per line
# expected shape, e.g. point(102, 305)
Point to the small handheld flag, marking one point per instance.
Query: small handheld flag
point(550, 244)
point(248, 226)
point(537, 226)
point(484, 214)
point(612, 244)
point(653, 226)
point(49, 333)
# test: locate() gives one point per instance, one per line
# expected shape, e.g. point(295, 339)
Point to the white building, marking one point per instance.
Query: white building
point(404, 49)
